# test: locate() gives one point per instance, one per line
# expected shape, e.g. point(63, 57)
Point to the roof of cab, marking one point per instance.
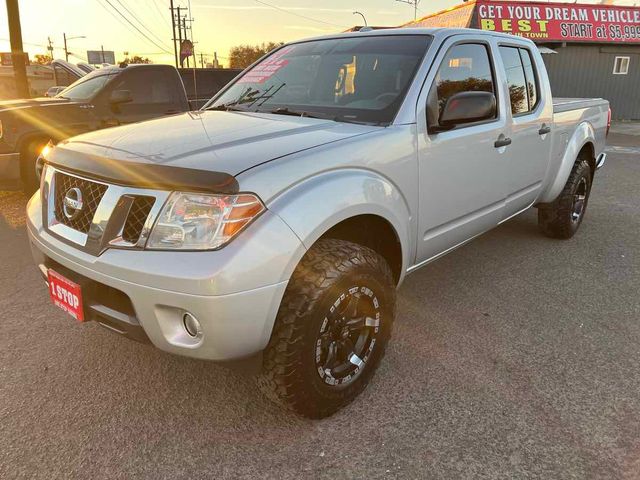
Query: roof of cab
point(447, 32)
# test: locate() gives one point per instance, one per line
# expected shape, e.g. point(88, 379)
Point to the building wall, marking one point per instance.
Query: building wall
point(587, 71)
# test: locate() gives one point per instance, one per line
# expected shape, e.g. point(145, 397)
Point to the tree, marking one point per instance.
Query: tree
point(242, 56)
point(136, 59)
point(40, 59)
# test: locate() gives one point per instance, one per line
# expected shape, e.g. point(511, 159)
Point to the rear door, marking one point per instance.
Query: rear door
point(530, 128)
point(461, 171)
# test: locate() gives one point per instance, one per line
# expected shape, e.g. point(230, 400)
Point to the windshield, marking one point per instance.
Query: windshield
point(359, 80)
point(86, 87)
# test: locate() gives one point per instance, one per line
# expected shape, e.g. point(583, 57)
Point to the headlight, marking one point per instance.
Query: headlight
point(193, 221)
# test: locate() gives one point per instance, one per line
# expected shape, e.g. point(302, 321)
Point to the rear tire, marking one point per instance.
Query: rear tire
point(562, 217)
point(331, 330)
point(28, 158)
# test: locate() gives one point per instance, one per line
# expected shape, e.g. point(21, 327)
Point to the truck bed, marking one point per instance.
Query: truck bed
point(565, 104)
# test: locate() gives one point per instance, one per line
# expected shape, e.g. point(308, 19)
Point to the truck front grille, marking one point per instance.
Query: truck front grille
point(95, 216)
point(91, 194)
point(137, 217)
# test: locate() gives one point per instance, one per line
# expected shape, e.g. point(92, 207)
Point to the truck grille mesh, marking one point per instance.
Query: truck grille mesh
point(92, 193)
point(137, 217)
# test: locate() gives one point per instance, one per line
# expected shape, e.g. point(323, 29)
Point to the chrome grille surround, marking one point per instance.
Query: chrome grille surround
point(106, 227)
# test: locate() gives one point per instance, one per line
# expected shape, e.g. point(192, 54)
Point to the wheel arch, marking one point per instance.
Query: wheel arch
point(355, 205)
point(582, 143)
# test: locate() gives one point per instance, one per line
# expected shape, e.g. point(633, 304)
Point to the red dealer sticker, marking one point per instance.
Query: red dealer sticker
point(266, 69)
point(66, 295)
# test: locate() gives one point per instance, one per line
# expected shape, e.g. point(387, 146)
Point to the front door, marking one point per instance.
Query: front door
point(462, 187)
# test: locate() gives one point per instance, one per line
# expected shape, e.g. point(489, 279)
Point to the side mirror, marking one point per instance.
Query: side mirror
point(467, 107)
point(120, 96)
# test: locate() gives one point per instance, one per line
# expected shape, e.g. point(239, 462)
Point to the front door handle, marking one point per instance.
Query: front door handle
point(502, 141)
point(544, 130)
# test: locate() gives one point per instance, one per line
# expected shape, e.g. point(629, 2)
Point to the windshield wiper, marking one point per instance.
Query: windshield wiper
point(294, 113)
point(227, 108)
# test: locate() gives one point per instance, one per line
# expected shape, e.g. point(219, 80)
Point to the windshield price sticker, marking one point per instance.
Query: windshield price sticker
point(266, 69)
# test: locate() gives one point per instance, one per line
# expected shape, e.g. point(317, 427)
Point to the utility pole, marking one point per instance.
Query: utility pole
point(50, 47)
point(201, 60)
point(415, 6)
point(179, 36)
point(173, 26)
point(18, 58)
point(186, 37)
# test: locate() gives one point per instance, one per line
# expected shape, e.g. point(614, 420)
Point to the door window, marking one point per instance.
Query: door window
point(530, 74)
point(147, 86)
point(465, 68)
point(523, 89)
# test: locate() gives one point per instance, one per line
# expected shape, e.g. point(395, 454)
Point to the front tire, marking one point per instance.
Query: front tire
point(562, 217)
point(331, 330)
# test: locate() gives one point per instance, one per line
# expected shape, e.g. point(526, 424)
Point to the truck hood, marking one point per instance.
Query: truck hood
point(226, 142)
point(32, 102)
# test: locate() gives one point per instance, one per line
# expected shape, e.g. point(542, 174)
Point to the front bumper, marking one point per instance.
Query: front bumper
point(236, 317)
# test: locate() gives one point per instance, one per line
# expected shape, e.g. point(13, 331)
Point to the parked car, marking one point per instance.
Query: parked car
point(103, 98)
point(277, 223)
point(53, 91)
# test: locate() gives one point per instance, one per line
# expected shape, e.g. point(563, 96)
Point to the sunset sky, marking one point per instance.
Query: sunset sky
point(218, 24)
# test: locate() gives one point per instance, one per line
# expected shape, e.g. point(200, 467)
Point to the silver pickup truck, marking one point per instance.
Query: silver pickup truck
point(277, 222)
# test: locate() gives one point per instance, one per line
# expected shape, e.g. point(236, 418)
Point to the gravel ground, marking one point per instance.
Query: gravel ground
point(516, 356)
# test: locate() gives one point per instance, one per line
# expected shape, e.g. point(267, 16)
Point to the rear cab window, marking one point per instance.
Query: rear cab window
point(521, 79)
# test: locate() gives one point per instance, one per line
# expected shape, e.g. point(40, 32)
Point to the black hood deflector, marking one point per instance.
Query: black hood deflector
point(143, 175)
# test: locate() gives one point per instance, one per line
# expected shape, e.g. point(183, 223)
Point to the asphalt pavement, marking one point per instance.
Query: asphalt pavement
point(516, 356)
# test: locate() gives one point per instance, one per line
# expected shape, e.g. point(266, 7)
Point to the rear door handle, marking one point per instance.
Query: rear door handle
point(502, 141)
point(544, 130)
point(171, 112)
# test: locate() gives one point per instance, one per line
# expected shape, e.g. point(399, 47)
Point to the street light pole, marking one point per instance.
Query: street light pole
point(363, 18)
point(66, 51)
point(414, 3)
point(18, 58)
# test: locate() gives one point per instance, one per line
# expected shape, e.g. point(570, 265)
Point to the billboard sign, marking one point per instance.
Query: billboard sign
point(98, 57)
point(561, 22)
point(6, 60)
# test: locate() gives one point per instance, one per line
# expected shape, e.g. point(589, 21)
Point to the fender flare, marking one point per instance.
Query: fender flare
point(316, 204)
point(584, 134)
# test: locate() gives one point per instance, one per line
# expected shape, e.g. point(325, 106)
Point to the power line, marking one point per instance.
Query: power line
point(141, 24)
point(129, 22)
point(160, 14)
point(299, 15)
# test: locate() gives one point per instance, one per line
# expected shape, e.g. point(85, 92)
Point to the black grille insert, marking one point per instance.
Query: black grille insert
point(91, 193)
point(137, 217)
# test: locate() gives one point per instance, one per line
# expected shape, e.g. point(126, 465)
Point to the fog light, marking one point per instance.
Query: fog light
point(191, 325)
